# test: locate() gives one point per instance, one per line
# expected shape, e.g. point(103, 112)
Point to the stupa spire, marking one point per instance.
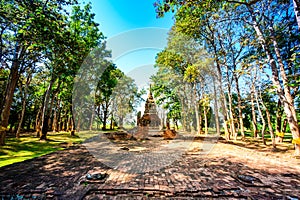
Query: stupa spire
point(150, 114)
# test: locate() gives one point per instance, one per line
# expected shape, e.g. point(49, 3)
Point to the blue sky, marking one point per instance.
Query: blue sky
point(117, 17)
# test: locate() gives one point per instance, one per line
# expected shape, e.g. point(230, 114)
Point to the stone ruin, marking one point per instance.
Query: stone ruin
point(150, 117)
point(147, 125)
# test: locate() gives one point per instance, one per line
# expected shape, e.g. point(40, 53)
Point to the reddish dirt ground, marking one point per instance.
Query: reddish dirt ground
point(228, 171)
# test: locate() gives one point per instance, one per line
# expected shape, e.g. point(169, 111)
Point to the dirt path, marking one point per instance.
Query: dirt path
point(228, 171)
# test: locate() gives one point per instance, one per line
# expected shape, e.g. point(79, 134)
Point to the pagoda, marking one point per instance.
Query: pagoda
point(150, 117)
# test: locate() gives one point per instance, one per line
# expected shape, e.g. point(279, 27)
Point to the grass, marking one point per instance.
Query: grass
point(28, 146)
point(287, 136)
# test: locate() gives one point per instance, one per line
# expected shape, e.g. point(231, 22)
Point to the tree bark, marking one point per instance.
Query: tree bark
point(55, 116)
point(23, 106)
point(254, 122)
point(269, 122)
point(196, 108)
point(240, 107)
point(279, 122)
point(12, 83)
point(284, 94)
point(231, 117)
point(262, 119)
point(216, 109)
point(289, 106)
point(104, 120)
point(45, 112)
point(297, 13)
point(205, 110)
point(92, 120)
point(38, 123)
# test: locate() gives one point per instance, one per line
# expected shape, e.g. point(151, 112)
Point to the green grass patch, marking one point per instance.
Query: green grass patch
point(29, 146)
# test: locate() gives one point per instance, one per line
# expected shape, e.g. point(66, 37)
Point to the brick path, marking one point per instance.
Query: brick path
point(226, 172)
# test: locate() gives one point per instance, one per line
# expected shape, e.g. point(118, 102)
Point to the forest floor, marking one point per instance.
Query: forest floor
point(203, 168)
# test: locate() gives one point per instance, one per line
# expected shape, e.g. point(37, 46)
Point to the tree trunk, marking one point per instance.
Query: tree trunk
point(231, 116)
point(240, 107)
point(284, 94)
point(254, 122)
point(262, 119)
point(69, 123)
point(269, 122)
point(226, 115)
point(111, 121)
point(104, 120)
point(59, 118)
point(38, 123)
point(289, 106)
point(45, 112)
point(92, 120)
point(78, 123)
point(23, 105)
point(72, 126)
point(55, 117)
point(5, 113)
point(279, 122)
point(205, 110)
point(216, 109)
point(297, 9)
point(198, 120)
point(121, 122)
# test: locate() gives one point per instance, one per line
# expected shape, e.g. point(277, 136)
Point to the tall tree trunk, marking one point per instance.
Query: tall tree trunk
point(104, 120)
point(240, 107)
point(223, 103)
point(55, 116)
point(279, 134)
point(284, 94)
point(262, 118)
point(205, 110)
point(297, 13)
point(111, 121)
point(269, 122)
point(72, 126)
point(220, 87)
point(23, 105)
point(50, 114)
point(92, 120)
point(38, 123)
point(183, 118)
point(5, 113)
point(254, 122)
point(73, 119)
point(284, 125)
point(196, 109)
point(78, 122)
point(231, 116)
point(59, 117)
point(289, 106)
point(45, 112)
point(226, 115)
point(216, 109)
point(69, 123)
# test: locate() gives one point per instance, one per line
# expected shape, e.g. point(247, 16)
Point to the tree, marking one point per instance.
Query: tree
point(25, 29)
point(125, 98)
point(263, 18)
point(104, 92)
point(183, 64)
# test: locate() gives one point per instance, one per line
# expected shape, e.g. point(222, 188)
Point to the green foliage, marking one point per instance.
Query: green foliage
point(42, 39)
point(229, 31)
point(125, 98)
